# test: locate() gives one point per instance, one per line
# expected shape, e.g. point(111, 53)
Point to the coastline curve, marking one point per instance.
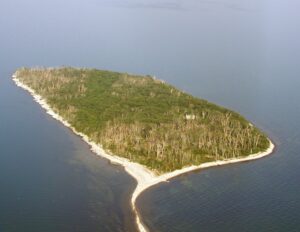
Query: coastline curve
point(145, 178)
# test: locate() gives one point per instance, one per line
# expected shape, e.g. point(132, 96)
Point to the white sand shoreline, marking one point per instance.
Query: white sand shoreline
point(145, 178)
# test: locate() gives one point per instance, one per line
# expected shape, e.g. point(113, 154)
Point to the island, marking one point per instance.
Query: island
point(153, 129)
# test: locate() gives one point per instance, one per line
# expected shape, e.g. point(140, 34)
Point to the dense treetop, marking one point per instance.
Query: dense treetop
point(144, 119)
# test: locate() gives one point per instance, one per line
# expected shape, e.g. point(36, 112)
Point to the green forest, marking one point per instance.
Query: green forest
point(144, 119)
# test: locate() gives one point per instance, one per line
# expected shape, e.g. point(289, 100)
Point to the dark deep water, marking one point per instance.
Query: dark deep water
point(243, 54)
point(49, 180)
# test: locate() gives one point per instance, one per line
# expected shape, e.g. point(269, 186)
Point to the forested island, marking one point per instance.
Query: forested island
point(144, 119)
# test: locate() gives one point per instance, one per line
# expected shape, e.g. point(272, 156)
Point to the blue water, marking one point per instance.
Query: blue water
point(263, 84)
point(49, 180)
point(242, 54)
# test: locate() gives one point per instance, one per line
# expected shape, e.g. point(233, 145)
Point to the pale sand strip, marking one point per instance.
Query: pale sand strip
point(145, 178)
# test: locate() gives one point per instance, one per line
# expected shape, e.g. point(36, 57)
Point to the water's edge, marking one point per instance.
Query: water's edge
point(145, 178)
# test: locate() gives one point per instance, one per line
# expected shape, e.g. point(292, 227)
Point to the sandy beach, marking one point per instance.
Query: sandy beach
point(145, 178)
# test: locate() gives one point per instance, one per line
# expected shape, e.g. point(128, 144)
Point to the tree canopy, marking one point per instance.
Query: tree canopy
point(144, 119)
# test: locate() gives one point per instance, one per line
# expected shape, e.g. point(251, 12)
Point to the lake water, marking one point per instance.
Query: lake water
point(243, 54)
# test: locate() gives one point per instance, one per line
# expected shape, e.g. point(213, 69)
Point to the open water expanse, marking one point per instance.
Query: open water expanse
point(242, 54)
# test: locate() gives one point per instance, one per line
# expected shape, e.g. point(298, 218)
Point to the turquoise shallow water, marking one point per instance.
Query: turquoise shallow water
point(241, 54)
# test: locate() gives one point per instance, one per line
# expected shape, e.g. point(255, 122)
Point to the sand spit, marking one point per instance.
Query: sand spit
point(145, 178)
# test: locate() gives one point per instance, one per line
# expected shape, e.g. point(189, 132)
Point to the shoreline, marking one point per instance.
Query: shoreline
point(145, 177)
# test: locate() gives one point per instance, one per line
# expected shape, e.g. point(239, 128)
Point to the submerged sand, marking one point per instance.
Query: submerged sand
point(145, 177)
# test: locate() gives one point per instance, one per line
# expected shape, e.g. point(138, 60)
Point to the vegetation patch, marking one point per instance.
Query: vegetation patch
point(144, 119)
